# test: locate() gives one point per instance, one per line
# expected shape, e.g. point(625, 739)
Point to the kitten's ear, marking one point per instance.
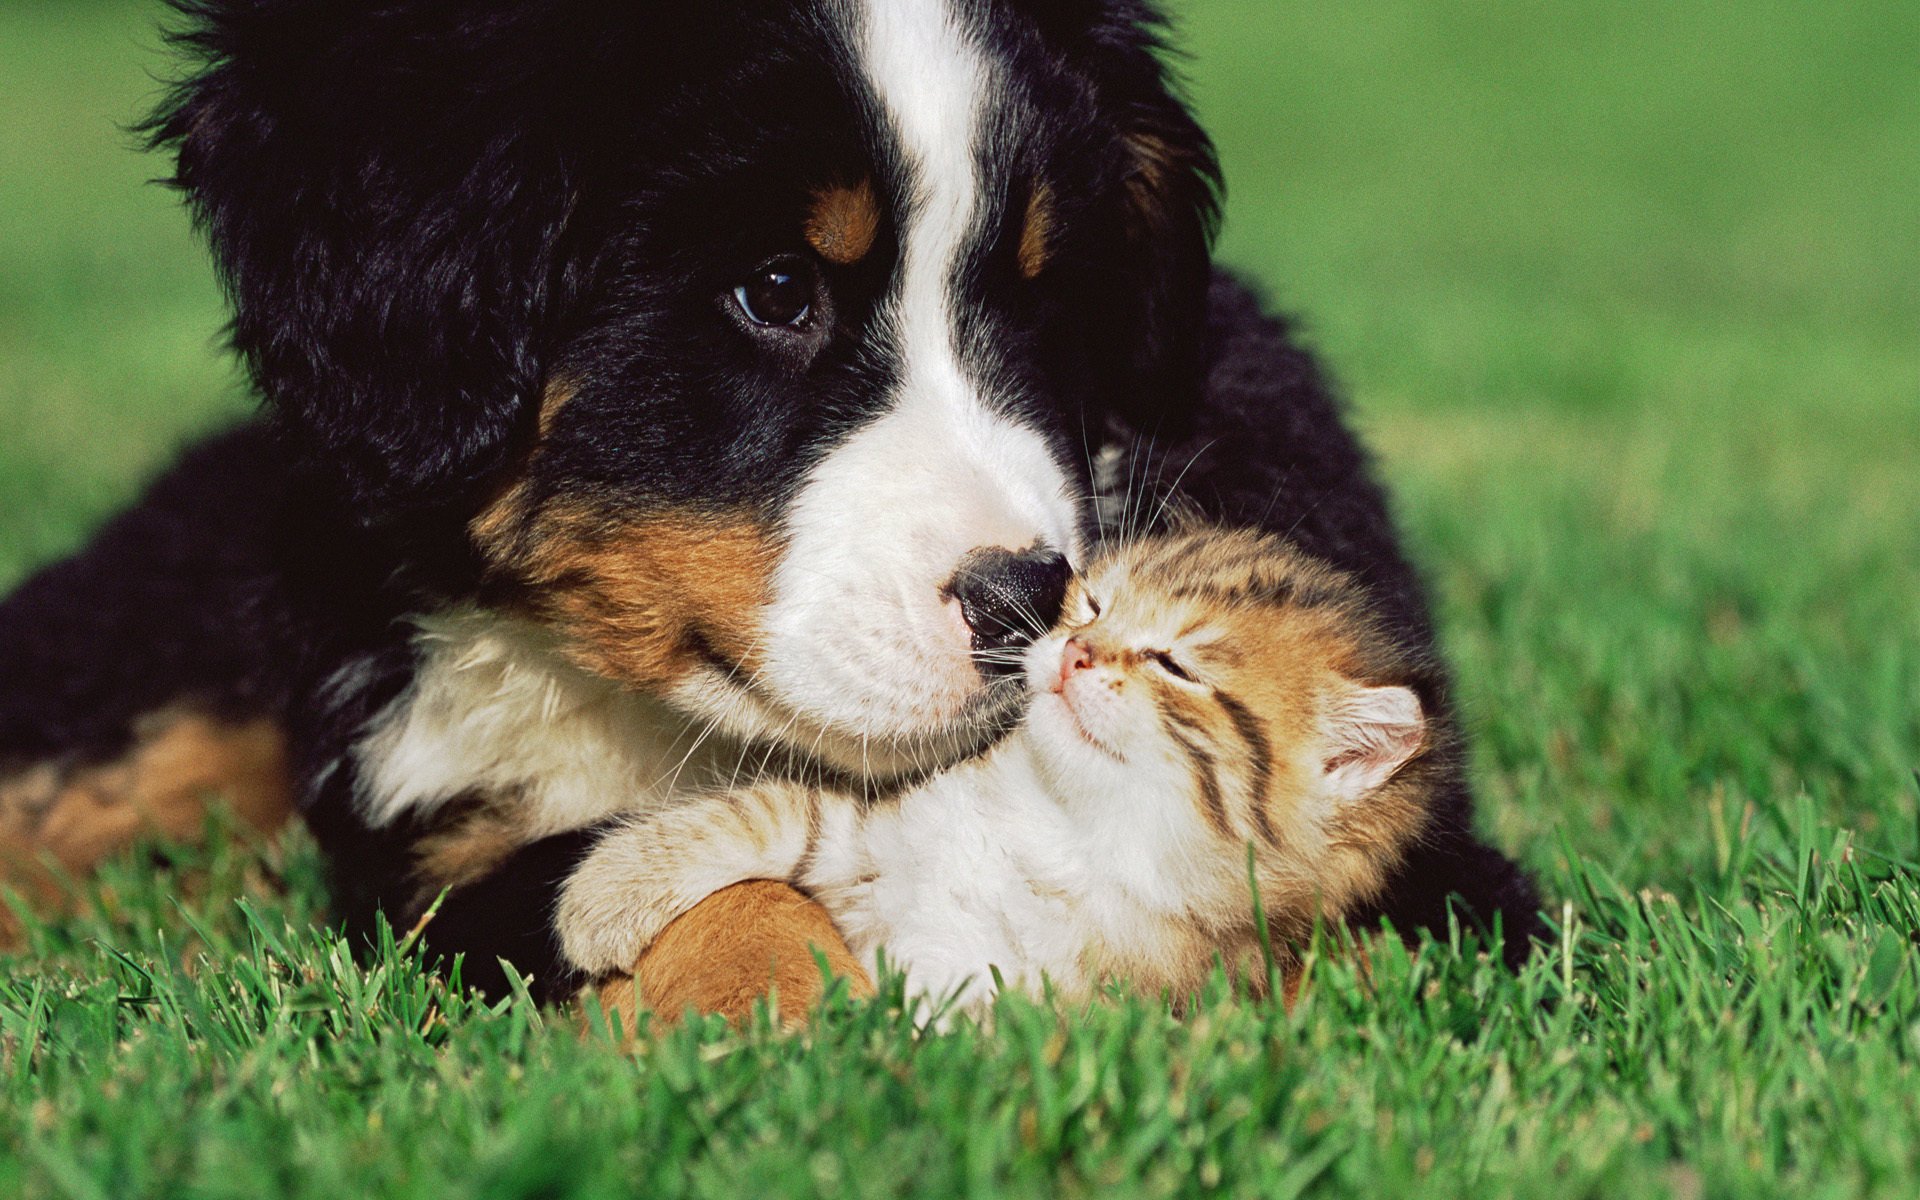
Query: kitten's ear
point(1375, 731)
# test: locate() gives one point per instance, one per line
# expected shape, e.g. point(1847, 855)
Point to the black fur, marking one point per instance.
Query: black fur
point(431, 213)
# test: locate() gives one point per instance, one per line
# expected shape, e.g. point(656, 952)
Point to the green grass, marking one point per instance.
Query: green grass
point(1626, 296)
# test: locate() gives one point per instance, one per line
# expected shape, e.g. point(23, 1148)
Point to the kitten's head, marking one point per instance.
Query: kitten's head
point(1216, 689)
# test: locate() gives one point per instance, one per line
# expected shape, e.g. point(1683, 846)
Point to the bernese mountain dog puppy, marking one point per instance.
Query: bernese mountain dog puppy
point(656, 392)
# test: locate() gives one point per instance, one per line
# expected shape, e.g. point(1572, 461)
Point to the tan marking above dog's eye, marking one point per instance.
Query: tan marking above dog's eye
point(1036, 232)
point(844, 222)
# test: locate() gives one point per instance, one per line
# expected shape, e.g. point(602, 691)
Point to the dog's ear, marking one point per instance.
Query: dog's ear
point(1169, 193)
point(384, 189)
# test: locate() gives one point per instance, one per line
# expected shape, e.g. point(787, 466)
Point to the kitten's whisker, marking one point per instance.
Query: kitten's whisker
point(671, 779)
point(1127, 491)
point(1174, 488)
point(1273, 498)
point(1138, 489)
point(1097, 500)
point(773, 746)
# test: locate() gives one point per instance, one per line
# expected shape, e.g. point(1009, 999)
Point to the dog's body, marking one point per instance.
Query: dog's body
point(637, 427)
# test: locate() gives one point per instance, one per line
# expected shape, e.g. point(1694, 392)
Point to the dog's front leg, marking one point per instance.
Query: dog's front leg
point(743, 942)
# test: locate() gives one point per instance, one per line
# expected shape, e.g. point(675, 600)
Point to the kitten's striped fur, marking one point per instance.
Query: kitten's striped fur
point(1207, 691)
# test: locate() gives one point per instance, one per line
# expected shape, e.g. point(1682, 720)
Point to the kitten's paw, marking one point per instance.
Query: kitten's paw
point(616, 903)
point(741, 943)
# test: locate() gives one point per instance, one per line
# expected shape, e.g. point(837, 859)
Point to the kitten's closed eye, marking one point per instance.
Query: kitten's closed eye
point(1171, 665)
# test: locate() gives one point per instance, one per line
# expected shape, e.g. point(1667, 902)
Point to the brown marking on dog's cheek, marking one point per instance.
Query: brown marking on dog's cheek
point(494, 526)
point(1036, 232)
point(162, 787)
point(737, 945)
point(645, 601)
point(844, 222)
point(500, 519)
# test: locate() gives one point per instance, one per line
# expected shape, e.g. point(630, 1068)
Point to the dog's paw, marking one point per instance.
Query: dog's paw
point(745, 942)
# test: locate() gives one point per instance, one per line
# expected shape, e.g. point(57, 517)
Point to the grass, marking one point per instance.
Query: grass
point(1628, 303)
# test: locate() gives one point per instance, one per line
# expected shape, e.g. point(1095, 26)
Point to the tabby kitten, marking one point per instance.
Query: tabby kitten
point(1206, 691)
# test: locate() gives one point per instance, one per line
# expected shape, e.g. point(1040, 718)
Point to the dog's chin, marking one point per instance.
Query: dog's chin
point(917, 751)
point(909, 746)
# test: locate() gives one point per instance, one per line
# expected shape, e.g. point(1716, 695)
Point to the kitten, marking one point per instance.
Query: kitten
point(1205, 691)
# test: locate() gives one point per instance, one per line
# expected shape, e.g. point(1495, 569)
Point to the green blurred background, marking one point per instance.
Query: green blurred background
point(1626, 295)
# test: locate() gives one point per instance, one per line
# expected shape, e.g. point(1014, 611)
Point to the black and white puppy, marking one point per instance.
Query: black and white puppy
point(657, 392)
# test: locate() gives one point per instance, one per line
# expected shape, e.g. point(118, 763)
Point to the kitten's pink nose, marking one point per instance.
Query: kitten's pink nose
point(1077, 656)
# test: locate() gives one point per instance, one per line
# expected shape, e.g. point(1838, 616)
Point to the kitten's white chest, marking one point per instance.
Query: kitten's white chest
point(984, 869)
point(971, 873)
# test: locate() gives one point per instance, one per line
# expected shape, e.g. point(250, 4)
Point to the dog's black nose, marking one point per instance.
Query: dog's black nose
point(1008, 599)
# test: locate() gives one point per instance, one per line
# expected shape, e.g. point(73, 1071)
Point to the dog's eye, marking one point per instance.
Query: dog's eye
point(780, 294)
point(1167, 663)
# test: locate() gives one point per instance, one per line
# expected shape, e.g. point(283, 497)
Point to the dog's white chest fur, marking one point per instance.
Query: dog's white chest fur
point(496, 711)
